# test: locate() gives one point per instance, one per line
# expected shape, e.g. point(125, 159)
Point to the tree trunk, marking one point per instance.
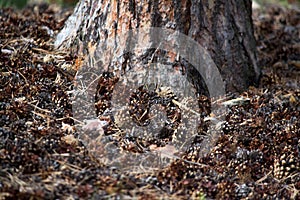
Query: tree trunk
point(224, 28)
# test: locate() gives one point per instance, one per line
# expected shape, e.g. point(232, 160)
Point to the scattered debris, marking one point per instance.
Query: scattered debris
point(257, 155)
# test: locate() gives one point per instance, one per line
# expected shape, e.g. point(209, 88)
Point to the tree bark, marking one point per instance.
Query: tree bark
point(224, 28)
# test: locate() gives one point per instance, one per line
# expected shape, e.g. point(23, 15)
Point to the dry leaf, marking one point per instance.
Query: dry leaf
point(70, 139)
point(94, 125)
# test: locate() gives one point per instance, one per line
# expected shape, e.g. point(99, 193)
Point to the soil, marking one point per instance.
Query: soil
point(256, 157)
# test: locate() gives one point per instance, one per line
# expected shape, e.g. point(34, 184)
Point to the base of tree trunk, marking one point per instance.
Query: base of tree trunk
point(223, 28)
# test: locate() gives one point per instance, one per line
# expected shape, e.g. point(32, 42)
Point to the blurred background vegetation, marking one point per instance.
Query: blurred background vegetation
point(65, 3)
point(22, 3)
point(285, 3)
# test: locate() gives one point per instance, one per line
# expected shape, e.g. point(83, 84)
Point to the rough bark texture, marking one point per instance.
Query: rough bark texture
point(223, 27)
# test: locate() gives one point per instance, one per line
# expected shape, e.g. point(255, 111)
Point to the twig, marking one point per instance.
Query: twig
point(184, 107)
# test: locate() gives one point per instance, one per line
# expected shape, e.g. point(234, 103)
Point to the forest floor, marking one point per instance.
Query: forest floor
point(257, 155)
